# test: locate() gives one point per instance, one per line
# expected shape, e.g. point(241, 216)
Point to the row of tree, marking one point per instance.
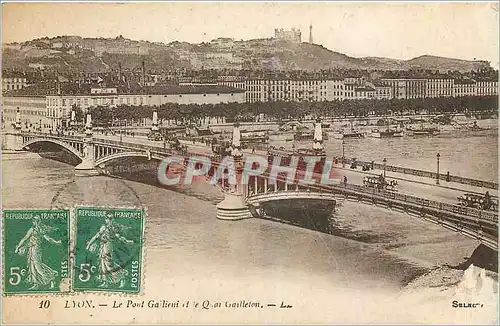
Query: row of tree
point(295, 110)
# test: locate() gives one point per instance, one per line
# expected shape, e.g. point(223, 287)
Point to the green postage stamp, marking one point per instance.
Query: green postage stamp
point(108, 249)
point(36, 251)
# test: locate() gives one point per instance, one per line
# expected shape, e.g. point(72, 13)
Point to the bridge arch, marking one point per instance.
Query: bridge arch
point(119, 155)
point(63, 144)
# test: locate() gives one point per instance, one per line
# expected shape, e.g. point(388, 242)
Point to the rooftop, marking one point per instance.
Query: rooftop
point(364, 89)
point(192, 89)
point(84, 90)
point(464, 81)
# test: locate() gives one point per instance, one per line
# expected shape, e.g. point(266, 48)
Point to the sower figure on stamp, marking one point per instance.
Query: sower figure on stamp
point(107, 243)
point(39, 274)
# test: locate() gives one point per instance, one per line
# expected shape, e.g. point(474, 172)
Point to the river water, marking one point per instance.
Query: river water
point(352, 276)
point(473, 156)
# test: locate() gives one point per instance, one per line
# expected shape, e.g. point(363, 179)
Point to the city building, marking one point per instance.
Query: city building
point(293, 35)
point(214, 60)
point(58, 106)
point(382, 92)
point(223, 43)
point(335, 89)
point(231, 81)
point(486, 87)
point(464, 87)
point(13, 83)
point(364, 92)
point(272, 90)
point(439, 88)
point(406, 88)
point(350, 89)
point(32, 111)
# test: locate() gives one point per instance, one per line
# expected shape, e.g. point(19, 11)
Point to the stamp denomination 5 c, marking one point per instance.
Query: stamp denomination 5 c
point(36, 251)
point(108, 249)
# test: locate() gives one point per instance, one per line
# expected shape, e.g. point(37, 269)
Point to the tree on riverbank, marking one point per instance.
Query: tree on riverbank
point(192, 113)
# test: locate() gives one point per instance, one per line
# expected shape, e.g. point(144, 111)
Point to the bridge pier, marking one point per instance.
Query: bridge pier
point(87, 166)
point(233, 207)
point(14, 141)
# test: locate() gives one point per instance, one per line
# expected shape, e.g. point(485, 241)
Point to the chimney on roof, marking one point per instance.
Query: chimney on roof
point(143, 73)
point(58, 84)
point(120, 78)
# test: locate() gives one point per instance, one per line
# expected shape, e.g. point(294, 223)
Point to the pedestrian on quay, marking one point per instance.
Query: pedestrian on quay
point(487, 200)
point(345, 181)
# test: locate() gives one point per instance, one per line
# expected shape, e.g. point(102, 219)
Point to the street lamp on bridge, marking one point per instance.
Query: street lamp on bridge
point(343, 158)
point(437, 175)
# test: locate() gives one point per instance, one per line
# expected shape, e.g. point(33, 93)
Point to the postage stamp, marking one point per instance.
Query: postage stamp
point(36, 251)
point(108, 249)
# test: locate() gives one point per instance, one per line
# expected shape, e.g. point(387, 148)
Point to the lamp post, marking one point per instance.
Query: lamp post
point(437, 175)
point(343, 159)
point(385, 162)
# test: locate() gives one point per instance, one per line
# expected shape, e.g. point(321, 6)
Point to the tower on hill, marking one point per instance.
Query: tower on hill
point(311, 34)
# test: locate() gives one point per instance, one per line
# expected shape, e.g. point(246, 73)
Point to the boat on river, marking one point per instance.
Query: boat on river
point(422, 130)
point(346, 133)
point(387, 133)
point(341, 134)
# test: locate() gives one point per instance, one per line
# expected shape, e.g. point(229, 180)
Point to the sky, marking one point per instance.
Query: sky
point(395, 30)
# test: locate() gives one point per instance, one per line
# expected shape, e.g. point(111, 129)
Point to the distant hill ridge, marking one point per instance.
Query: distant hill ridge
point(89, 54)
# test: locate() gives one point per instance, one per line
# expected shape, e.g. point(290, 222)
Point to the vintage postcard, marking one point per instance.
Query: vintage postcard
point(250, 163)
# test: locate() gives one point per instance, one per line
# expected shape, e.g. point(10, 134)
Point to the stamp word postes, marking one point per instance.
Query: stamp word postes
point(108, 249)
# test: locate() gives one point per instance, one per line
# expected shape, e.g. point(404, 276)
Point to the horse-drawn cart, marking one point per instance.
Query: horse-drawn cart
point(379, 183)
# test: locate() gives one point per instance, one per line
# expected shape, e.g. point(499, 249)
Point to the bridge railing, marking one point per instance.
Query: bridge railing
point(432, 175)
point(486, 216)
point(49, 136)
point(410, 171)
point(489, 216)
point(155, 149)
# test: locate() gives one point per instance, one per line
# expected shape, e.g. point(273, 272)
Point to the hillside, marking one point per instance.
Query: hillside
point(76, 54)
point(435, 63)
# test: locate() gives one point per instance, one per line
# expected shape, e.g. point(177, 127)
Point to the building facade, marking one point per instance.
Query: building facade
point(293, 35)
point(13, 83)
point(58, 107)
point(406, 88)
point(464, 87)
point(364, 93)
point(32, 111)
point(273, 90)
point(382, 92)
point(335, 90)
point(486, 87)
